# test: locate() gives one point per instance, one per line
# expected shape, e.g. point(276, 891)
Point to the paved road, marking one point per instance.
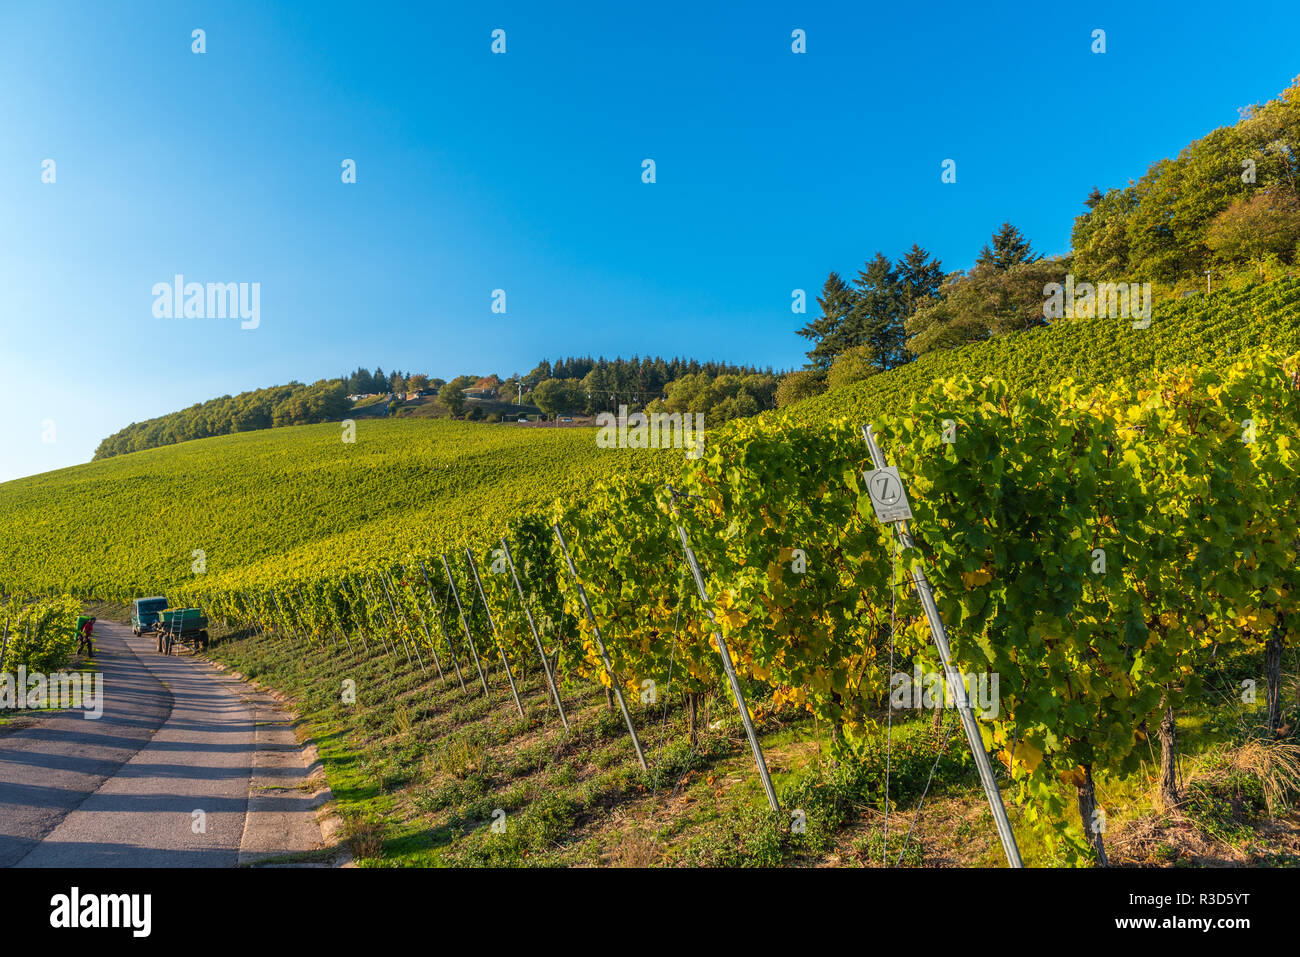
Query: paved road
point(176, 737)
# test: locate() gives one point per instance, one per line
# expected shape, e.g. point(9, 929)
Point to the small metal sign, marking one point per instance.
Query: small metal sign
point(888, 496)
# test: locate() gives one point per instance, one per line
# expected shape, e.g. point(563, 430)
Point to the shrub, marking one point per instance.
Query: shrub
point(41, 635)
point(798, 386)
point(853, 366)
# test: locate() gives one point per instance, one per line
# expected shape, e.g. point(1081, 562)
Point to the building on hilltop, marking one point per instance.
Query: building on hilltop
point(485, 388)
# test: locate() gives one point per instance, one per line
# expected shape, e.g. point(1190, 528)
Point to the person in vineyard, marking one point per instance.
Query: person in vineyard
point(85, 643)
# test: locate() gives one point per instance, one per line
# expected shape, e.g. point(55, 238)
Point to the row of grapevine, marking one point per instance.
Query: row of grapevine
point(1094, 548)
point(38, 634)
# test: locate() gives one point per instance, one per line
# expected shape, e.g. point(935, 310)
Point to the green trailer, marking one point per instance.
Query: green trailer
point(185, 625)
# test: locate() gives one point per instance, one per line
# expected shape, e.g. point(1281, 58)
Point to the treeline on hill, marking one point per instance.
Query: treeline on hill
point(587, 386)
point(1227, 205)
point(1227, 202)
point(570, 385)
point(719, 390)
point(362, 382)
point(292, 404)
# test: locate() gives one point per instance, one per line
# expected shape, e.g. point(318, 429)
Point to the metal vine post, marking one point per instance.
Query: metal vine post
point(460, 610)
point(729, 668)
point(424, 626)
point(600, 643)
point(505, 662)
point(442, 624)
point(384, 621)
point(386, 580)
point(955, 684)
point(532, 626)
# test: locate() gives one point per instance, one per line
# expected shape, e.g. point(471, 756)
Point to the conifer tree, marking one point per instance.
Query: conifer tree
point(920, 277)
point(877, 318)
point(838, 301)
point(1010, 248)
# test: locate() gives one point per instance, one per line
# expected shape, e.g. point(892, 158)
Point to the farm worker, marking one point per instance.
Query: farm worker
point(87, 632)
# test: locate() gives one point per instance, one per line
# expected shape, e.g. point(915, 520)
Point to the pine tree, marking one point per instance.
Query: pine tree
point(1010, 248)
point(598, 390)
point(877, 320)
point(838, 301)
point(920, 278)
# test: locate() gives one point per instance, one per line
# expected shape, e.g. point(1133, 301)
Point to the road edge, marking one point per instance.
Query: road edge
point(323, 801)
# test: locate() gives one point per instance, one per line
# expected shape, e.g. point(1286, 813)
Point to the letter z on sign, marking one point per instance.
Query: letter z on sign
point(888, 496)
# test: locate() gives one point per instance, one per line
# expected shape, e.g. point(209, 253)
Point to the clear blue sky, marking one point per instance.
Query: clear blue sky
point(523, 172)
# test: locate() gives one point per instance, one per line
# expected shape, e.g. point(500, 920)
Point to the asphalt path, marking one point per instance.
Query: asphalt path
point(162, 779)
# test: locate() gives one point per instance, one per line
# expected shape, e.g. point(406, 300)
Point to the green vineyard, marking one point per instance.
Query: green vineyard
point(278, 504)
point(1113, 514)
point(1095, 549)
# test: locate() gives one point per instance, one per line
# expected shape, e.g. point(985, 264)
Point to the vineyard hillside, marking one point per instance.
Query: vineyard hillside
point(1086, 558)
point(1207, 332)
point(295, 503)
point(298, 498)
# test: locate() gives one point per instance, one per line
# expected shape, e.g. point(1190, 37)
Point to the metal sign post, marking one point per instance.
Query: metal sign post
point(455, 593)
point(442, 624)
point(532, 626)
point(505, 662)
point(600, 643)
point(889, 498)
point(730, 669)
